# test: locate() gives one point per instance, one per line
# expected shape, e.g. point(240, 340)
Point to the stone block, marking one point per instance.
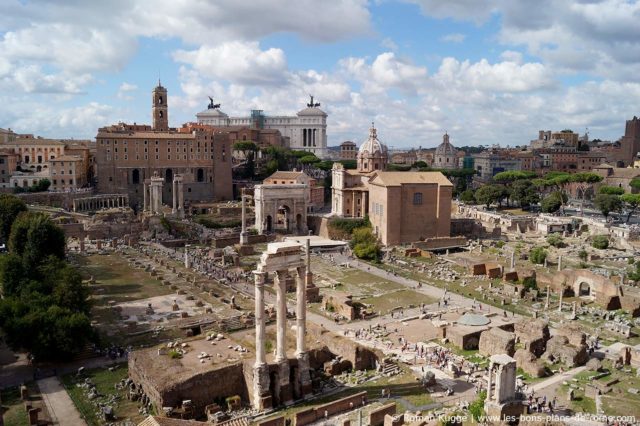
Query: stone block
point(497, 341)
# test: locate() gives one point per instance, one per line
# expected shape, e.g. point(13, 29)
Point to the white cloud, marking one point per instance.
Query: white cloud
point(241, 62)
point(453, 38)
point(500, 77)
point(124, 91)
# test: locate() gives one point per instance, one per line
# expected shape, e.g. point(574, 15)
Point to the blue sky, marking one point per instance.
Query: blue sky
point(488, 72)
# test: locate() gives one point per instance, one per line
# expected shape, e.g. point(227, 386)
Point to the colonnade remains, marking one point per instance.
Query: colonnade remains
point(280, 259)
point(152, 200)
point(106, 201)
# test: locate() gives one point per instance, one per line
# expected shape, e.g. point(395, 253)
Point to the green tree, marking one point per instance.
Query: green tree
point(365, 244)
point(309, 159)
point(584, 182)
point(524, 193)
point(610, 190)
point(630, 203)
point(10, 207)
point(248, 149)
point(468, 197)
point(537, 255)
point(34, 237)
point(552, 202)
point(635, 183)
point(600, 242)
point(607, 203)
point(489, 194)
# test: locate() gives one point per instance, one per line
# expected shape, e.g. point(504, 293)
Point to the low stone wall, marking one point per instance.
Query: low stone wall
point(376, 417)
point(441, 243)
point(278, 421)
point(222, 242)
point(54, 199)
point(327, 410)
point(202, 389)
point(361, 357)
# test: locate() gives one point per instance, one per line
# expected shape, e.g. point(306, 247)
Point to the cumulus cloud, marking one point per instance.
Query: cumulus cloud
point(241, 62)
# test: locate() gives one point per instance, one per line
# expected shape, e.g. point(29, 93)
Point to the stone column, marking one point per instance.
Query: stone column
point(499, 379)
point(180, 196)
point(489, 384)
point(187, 264)
point(559, 262)
point(146, 201)
point(513, 260)
point(260, 321)
point(303, 381)
point(281, 315)
point(244, 236)
point(174, 208)
point(261, 395)
point(546, 304)
point(560, 305)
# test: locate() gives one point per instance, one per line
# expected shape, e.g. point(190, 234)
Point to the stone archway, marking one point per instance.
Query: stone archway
point(283, 218)
point(269, 225)
point(584, 289)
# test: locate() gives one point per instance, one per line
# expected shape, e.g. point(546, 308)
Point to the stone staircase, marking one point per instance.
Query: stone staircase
point(238, 421)
point(389, 368)
point(233, 323)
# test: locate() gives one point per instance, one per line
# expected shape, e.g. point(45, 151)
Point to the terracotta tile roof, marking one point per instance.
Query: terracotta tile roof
point(399, 178)
point(280, 174)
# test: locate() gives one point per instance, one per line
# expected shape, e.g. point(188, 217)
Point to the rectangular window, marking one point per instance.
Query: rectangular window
point(417, 198)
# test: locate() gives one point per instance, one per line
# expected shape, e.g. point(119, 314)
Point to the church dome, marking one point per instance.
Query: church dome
point(445, 148)
point(372, 145)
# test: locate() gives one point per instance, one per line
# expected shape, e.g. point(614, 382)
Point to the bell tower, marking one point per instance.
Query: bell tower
point(159, 108)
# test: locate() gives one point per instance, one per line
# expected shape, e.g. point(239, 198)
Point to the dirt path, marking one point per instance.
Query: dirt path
point(59, 405)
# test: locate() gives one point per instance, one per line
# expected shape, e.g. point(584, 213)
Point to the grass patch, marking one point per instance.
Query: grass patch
point(13, 408)
point(406, 297)
point(105, 382)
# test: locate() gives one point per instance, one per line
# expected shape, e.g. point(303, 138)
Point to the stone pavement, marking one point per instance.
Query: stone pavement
point(59, 405)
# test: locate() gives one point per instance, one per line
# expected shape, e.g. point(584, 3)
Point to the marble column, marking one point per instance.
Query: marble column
point(174, 208)
point(261, 393)
point(244, 236)
point(559, 263)
point(260, 320)
point(146, 201)
point(560, 304)
point(303, 381)
point(513, 260)
point(186, 256)
point(180, 196)
point(301, 311)
point(489, 382)
point(281, 315)
point(546, 304)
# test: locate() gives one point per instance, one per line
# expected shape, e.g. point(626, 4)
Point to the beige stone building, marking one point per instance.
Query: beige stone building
point(129, 154)
point(316, 191)
point(348, 150)
point(409, 206)
point(402, 206)
point(68, 173)
point(8, 164)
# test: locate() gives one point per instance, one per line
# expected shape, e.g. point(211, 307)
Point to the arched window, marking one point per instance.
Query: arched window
point(159, 100)
point(168, 176)
point(200, 175)
point(135, 176)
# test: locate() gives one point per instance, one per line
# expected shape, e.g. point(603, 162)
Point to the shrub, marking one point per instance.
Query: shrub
point(583, 255)
point(555, 240)
point(530, 283)
point(537, 255)
point(600, 242)
point(173, 354)
point(476, 408)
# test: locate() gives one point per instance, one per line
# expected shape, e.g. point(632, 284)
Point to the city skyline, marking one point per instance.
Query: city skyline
point(415, 67)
